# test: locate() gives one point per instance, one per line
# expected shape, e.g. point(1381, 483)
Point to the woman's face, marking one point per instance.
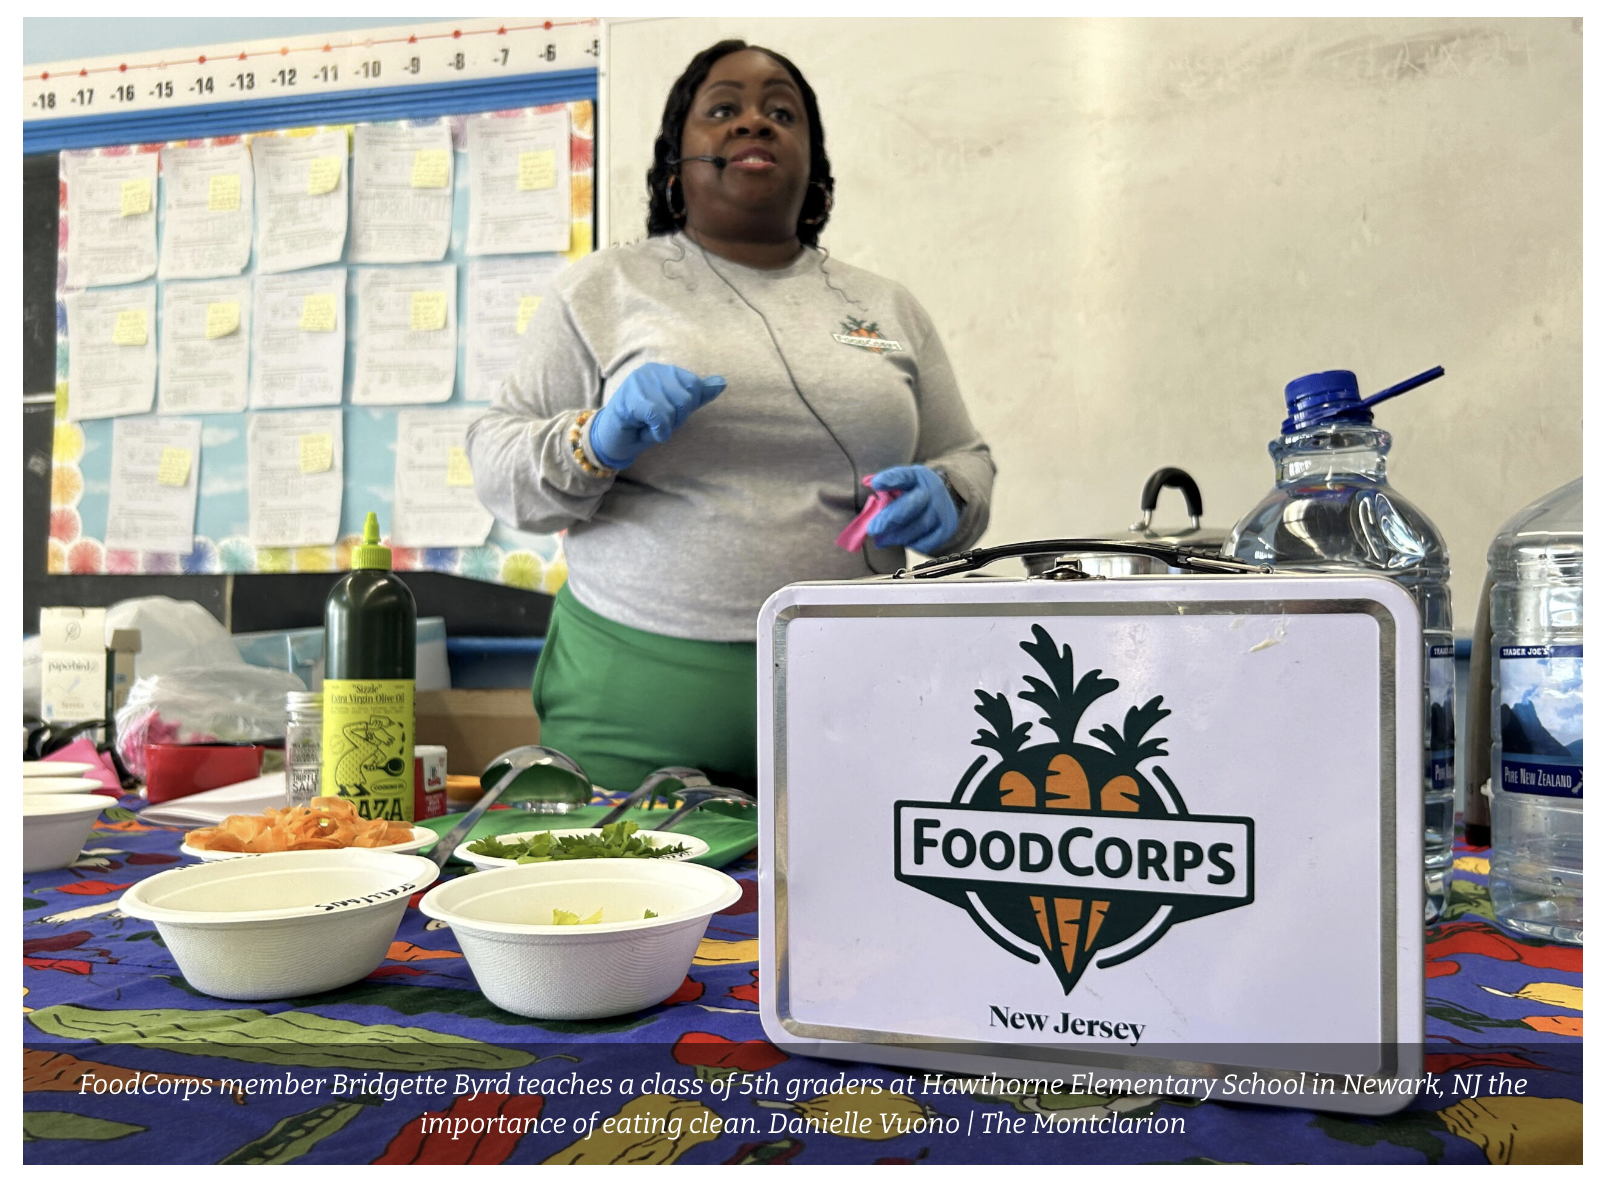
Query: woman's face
point(748, 111)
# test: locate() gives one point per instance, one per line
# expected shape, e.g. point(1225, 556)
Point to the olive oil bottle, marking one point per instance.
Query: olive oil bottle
point(368, 746)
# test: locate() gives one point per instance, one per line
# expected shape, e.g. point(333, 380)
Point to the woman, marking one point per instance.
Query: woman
point(698, 411)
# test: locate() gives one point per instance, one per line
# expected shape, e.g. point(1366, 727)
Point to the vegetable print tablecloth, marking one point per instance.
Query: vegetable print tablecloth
point(122, 1061)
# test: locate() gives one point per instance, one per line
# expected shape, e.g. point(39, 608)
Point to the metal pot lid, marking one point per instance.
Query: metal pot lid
point(1193, 536)
point(1094, 564)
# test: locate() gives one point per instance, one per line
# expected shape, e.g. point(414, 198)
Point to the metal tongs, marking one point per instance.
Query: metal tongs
point(692, 799)
point(520, 760)
point(694, 791)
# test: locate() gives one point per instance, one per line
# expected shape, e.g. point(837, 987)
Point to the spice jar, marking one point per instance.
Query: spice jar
point(303, 747)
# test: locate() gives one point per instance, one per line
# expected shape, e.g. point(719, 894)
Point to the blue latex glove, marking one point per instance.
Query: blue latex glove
point(923, 518)
point(649, 407)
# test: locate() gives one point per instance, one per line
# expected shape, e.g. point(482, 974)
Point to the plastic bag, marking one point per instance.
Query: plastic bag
point(174, 634)
point(207, 704)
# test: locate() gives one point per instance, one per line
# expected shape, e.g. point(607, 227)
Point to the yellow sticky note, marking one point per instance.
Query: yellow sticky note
point(224, 318)
point(314, 453)
point(526, 307)
point(130, 327)
point(429, 310)
point(174, 467)
point(430, 169)
point(134, 197)
point(224, 192)
point(319, 313)
point(324, 173)
point(459, 472)
point(536, 170)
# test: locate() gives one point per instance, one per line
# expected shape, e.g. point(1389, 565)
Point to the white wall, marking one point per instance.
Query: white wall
point(65, 38)
point(1133, 233)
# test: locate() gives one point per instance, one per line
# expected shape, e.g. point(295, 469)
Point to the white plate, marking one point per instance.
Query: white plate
point(56, 786)
point(695, 847)
point(422, 838)
point(45, 769)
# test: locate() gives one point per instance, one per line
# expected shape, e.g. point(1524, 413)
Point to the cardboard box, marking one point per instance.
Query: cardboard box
point(122, 650)
point(475, 724)
point(73, 681)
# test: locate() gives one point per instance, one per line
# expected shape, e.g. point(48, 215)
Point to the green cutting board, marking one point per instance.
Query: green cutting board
point(730, 830)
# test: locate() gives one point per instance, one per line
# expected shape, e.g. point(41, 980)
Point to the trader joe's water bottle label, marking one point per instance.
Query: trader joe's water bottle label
point(368, 746)
point(1441, 716)
point(1542, 720)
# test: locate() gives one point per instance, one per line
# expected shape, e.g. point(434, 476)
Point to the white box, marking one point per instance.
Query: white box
point(73, 683)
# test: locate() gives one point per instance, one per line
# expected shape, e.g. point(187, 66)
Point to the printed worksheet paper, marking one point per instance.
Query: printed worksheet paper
point(207, 212)
point(302, 196)
point(206, 329)
point(434, 503)
point(153, 502)
point(520, 188)
point(299, 324)
point(112, 354)
point(111, 217)
point(404, 184)
point(501, 298)
point(404, 339)
point(295, 477)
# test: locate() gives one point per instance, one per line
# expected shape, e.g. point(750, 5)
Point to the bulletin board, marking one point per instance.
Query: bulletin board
point(90, 523)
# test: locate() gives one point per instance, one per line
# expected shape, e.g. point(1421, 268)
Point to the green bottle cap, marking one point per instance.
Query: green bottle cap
point(372, 555)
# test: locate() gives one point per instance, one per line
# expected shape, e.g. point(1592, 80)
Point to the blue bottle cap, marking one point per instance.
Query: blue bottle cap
point(1334, 395)
point(1316, 397)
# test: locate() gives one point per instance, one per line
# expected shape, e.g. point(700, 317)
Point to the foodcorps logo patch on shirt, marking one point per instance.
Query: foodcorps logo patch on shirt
point(865, 335)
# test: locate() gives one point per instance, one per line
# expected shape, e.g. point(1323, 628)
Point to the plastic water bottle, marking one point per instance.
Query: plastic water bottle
point(1536, 870)
point(1333, 511)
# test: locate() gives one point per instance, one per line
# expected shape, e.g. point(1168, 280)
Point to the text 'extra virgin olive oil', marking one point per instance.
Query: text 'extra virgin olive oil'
point(368, 746)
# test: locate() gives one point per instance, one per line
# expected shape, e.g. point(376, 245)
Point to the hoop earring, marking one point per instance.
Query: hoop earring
point(668, 200)
point(824, 213)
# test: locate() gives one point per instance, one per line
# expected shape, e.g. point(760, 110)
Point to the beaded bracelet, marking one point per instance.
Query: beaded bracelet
point(575, 440)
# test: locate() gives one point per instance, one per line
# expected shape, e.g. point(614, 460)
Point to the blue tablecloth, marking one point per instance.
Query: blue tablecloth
point(114, 1040)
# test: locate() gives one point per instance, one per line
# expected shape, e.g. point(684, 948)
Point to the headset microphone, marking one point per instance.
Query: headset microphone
point(718, 162)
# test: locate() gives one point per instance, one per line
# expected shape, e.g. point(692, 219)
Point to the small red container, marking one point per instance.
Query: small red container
point(432, 769)
point(174, 770)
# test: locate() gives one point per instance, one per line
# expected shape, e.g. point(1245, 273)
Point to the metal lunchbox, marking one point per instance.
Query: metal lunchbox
point(1149, 833)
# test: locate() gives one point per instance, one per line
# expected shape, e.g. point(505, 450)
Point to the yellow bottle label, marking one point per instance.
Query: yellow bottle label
point(368, 746)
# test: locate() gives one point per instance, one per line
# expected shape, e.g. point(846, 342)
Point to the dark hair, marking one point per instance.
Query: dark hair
point(816, 202)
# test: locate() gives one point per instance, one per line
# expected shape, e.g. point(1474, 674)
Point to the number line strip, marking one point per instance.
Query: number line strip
point(288, 50)
point(376, 104)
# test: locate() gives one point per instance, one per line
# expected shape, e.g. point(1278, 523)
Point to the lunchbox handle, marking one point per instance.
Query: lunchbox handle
point(1182, 557)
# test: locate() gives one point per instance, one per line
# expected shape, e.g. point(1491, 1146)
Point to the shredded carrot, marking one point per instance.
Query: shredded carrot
point(326, 823)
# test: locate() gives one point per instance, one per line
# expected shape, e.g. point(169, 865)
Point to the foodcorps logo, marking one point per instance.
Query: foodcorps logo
point(1068, 851)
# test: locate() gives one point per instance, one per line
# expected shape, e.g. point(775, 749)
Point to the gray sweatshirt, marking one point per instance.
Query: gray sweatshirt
point(821, 358)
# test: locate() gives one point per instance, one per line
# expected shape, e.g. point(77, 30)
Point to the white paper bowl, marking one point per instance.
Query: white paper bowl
point(60, 786)
point(618, 966)
point(280, 925)
point(695, 847)
point(51, 769)
point(54, 827)
point(420, 838)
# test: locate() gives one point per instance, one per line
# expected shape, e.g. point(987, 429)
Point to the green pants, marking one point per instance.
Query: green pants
point(623, 702)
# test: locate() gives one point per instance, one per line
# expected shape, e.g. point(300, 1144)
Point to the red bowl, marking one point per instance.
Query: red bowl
point(174, 770)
